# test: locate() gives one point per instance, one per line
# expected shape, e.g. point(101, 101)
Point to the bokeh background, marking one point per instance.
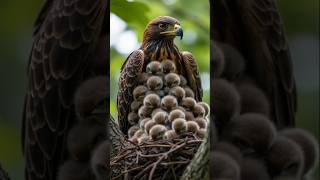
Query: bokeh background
point(128, 20)
point(301, 19)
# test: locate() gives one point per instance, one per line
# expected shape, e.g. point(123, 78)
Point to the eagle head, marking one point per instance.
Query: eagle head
point(162, 28)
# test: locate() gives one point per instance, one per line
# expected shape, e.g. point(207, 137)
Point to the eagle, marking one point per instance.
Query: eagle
point(255, 29)
point(157, 45)
point(70, 45)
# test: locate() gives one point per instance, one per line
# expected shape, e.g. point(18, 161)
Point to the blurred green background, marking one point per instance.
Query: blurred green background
point(126, 31)
point(16, 19)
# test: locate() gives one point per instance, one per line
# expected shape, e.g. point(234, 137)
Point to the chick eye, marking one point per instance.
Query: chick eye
point(162, 26)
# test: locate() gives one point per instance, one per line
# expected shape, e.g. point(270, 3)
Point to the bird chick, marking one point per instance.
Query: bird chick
point(143, 122)
point(285, 157)
point(133, 118)
point(172, 80)
point(183, 81)
point(222, 91)
point(177, 92)
point(143, 78)
point(169, 102)
point(132, 130)
point(99, 159)
point(205, 107)
point(139, 92)
point(307, 143)
point(189, 116)
point(134, 139)
point(192, 126)
point(151, 101)
point(229, 149)
point(156, 110)
point(227, 167)
point(154, 67)
point(149, 125)
point(201, 133)
point(170, 134)
point(161, 118)
point(143, 138)
point(154, 83)
point(198, 111)
point(188, 103)
point(179, 125)
point(144, 112)
point(188, 92)
point(157, 132)
point(177, 113)
point(168, 66)
point(138, 133)
point(201, 122)
point(252, 133)
point(160, 93)
point(135, 105)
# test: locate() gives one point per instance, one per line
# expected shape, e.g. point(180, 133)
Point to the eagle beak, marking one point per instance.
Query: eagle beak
point(178, 30)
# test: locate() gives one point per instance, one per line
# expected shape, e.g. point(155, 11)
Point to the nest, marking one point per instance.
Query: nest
point(162, 159)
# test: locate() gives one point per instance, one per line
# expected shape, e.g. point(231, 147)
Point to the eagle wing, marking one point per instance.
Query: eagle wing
point(130, 70)
point(66, 35)
point(255, 28)
point(192, 74)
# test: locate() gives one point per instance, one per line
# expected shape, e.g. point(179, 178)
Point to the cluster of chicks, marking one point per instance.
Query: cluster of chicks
point(87, 140)
point(247, 144)
point(164, 107)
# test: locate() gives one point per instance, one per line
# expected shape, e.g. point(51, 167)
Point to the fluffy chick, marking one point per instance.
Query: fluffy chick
point(285, 158)
point(199, 111)
point(143, 78)
point(132, 130)
point(139, 92)
point(135, 105)
point(179, 125)
point(170, 134)
point(151, 101)
point(157, 132)
point(99, 160)
point(177, 92)
point(133, 118)
point(189, 92)
point(201, 122)
point(168, 66)
point(252, 133)
point(253, 99)
point(149, 125)
point(138, 133)
point(143, 138)
point(154, 83)
point(227, 167)
point(143, 122)
point(144, 112)
point(172, 80)
point(188, 103)
point(154, 67)
point(160, 117)
point(169, 102)
point(201, 133)
point(192, 126)
point(177, 113)
point(156, 110)
point(189, 116)
point(229, 149)
point(206, 107)
point(307, 143)
point(226, 101)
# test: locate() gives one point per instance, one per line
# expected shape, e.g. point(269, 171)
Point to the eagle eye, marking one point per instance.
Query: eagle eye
point(162, 26)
